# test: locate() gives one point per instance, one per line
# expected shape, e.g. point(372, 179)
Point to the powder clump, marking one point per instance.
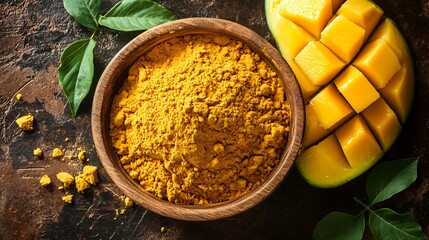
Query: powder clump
point(45, 180)
point(57, 153)
point(25, 123)
point(200, 119)
point(38, 152)
point(66, 178)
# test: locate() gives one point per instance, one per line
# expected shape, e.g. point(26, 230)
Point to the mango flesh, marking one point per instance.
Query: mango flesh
point(378, 53)
point(359, 145)
point(312, 15)
point(292, 39)
point(330, 101)
point(351, 80)
point(326, 163)
point(343, 37)
point(364, 13)
point(314, 132)
point(318, 63)
point(357, 78)
point(383, 122)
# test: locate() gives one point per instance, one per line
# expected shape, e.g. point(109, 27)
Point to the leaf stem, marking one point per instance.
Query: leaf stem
point(363, 204)
point(361, 212)
point(93, 34)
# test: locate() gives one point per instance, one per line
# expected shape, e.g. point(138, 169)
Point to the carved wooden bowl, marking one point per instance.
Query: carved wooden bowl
point(117, 70)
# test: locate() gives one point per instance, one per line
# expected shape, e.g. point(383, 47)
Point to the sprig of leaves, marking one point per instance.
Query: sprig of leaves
point(384, 181)
point(76, 70)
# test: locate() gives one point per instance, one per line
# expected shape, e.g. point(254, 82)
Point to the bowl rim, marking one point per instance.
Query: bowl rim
point(145, 41)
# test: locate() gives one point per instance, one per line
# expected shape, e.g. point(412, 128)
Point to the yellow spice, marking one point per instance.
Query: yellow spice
point(200, 119)
point(127, 201)
point(25, 122)
point(45, 180)
point(66, 178)
point(57, 153)
point(90, 174)
point(81, 183)
point(38, 152)
point(68, 198)
point(81, 155)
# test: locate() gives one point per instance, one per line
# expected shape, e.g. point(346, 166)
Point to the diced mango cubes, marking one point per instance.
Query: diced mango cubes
point(399, 91)
point(312, 15)
point(343, 37)
point(362, 12)
point(297, 38)
point(378, 62)
point(356, 89)
point(383, 122)
point(388, 31)
point(318, 63)
point(292, 39)
point(324, 164)
point(358, 144)
point(356, 75)
point(330, 108)
point(307, 87)
point(313, 131)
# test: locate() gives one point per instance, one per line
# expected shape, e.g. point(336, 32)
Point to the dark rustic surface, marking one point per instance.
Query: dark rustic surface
point(33, 34)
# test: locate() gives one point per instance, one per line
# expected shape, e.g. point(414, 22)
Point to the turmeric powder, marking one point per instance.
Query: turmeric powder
point(25, 122)
point(200, 119)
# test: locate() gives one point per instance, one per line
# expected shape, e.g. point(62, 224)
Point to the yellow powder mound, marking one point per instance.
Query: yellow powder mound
point(200, 119)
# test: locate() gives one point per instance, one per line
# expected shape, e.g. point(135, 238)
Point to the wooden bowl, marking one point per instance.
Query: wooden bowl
point(117, 70)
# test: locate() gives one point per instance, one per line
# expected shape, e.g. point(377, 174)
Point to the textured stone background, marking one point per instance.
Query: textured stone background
point(33, 34)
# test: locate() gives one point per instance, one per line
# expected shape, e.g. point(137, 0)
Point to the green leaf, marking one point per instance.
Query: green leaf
point(338, 225)
point(132, 15)
point(389, 178)
point(387, 224)
point(76, 71)
point(86, 12)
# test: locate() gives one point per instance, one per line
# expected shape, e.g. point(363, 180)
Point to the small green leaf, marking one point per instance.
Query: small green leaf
point(338, 225)
point(76, 71)
point(389, 178)
point(86, 12)
point(133, 15)
point(387, 224)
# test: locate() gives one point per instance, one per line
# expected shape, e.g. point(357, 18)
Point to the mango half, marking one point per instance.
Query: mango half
point(357, 78)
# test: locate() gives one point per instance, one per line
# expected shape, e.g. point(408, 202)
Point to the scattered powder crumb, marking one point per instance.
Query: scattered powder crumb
point(68, 198)
point(72, 164)
point(86, 178)
point(57, 153)
point(25, 122)
point(19, 96)
point(90, 174)
point(38, 152)
point(81, 183)
point(118, 212)
point(66, 178)
point(81, 154)
point(127, 201)
point(45, 180)
point(163, 230)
